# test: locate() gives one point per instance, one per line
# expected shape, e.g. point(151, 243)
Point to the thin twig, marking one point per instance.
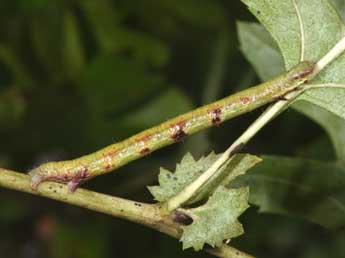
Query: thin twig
point(301, 28)
point(150, 215)
point(336, 51)
point(187, 193)
point(324, 85)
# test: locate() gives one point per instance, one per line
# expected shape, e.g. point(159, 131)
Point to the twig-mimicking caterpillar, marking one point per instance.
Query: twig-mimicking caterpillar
point(116, 155)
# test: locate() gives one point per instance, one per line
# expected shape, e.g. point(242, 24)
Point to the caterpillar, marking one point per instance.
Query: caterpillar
point(76, 171)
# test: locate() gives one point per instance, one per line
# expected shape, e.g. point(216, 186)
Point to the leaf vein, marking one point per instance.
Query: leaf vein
point(301, 28)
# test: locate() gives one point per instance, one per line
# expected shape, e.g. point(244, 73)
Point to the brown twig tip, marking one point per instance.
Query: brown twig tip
point(237, 149)
point(145, 151)
point(307, 71)
point(181, 217)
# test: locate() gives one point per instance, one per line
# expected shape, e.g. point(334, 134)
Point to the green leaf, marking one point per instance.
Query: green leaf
point(300, 187)
point(306, 188)
point(253, 37)
point(322, 29)
point(340, 7)
point(257, 45)
point(189, 169)
point(216, 220)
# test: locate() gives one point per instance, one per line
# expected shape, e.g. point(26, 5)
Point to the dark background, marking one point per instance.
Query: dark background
point(76, 76)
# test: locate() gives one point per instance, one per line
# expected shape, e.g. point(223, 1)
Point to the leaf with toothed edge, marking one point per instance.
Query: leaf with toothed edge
point(272, 190)
point(311, 27)
point(217, 219)
point(189, 169)
point(259, 48)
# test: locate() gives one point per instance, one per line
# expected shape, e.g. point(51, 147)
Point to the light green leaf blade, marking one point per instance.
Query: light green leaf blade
point(253, 37)
point(297, 187)
point(216, 220)
point(310, 37)
point(259, 48)
point(189, 169)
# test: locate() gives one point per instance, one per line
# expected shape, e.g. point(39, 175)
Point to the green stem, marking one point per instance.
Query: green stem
point(189, 191)
point(150, 215)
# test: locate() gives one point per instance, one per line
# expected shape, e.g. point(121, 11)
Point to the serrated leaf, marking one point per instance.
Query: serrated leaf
point(189, 169)
point(253, 37)
point(322, 28)
point(306, 188)
point(216, 220)
point(310, 189)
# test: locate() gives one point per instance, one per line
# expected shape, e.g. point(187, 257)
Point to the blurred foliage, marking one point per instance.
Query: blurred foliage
point(77, 75)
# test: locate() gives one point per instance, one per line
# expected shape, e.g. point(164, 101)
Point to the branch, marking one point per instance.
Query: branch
point(334, 53)
point(189, 191)
point(150, 215)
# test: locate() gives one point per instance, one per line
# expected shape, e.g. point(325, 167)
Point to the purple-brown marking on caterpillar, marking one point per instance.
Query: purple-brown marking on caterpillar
point(108, 160)
point(216, 120)
point(280, 98)
point(145, 151)
point(304, 73)
point(144, 138)
point(245, 100)
point(80, 177)
point(111, 154)
point(108, 167)
point(65, 176)
point(179, 133)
